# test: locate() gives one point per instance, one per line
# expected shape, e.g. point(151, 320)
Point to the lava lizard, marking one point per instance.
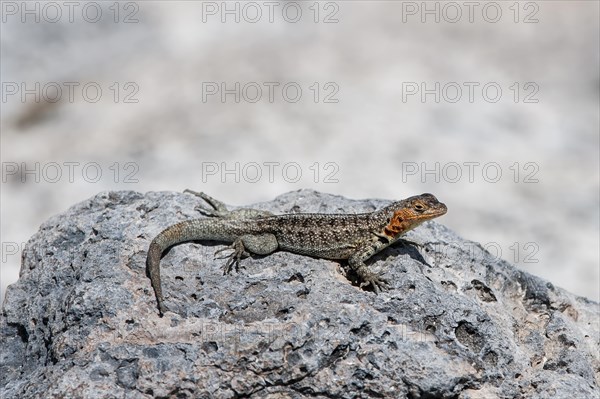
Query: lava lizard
point(355, 237)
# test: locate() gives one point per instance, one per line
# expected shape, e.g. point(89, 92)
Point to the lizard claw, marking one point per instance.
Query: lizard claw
point(233, 258)
point(218, 208)
point(205, 211)
point(378, 283)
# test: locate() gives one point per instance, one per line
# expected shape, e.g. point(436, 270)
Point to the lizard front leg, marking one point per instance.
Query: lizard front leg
point(357, 263)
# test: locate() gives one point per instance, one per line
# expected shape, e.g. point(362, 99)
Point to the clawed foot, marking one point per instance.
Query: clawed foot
point(233, 258)
point(218, 208)
point(378, 283)
point(206, 211)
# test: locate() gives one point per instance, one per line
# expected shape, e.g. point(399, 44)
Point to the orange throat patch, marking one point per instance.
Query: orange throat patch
point(402, 221)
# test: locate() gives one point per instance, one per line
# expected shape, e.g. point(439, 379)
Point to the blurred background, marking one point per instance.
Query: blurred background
point(491, 106)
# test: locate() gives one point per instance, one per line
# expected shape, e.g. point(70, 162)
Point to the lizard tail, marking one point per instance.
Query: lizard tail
point(167, 238)
point(153, 270)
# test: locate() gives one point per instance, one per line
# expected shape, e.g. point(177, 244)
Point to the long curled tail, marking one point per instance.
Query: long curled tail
point(172, 235)
point(189, 230)
point(153, 270)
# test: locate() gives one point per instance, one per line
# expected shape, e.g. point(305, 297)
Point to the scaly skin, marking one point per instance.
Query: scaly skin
point(355, 237)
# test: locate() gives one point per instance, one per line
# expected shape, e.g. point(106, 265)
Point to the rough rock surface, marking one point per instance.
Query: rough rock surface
point(82, 322)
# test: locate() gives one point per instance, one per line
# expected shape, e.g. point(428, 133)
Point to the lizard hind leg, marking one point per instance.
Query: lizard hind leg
point(218, 208)
point(260, 244)
point(234, 257)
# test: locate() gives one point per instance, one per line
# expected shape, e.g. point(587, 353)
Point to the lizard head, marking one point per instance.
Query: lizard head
point(411, 212)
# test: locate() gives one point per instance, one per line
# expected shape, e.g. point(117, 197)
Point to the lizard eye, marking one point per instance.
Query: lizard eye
point(419, 208)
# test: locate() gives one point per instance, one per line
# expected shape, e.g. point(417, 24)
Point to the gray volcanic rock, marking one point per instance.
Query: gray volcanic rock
point(82, 322)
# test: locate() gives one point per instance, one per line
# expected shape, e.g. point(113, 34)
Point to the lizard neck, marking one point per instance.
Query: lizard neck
point(402, 220)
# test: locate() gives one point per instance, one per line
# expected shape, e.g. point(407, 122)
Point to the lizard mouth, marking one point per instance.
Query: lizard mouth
point(440, 210)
